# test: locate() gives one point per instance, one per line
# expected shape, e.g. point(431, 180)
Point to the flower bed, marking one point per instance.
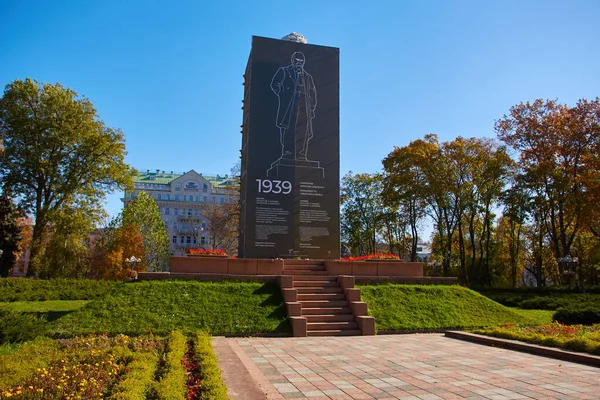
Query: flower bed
point(582, 338)
point(97, 367)
point(206, 252)
point(372, 257)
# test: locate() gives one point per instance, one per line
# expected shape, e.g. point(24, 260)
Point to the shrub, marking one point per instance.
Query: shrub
point(586, 315)
point(138, 379)
point(211, 383)
point(21, 289)
point(171, 386)
point(16, 327)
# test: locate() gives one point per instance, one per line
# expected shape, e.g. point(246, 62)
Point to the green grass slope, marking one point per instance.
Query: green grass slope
point(21, 289)
point(433, 307)
point(223, 308)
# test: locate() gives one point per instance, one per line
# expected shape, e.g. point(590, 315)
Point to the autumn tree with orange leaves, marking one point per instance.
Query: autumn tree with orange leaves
point(559, 164)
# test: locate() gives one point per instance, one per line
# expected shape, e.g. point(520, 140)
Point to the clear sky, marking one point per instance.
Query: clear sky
point(169, 73)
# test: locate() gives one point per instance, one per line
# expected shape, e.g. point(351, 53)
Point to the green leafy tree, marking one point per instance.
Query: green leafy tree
point(362, 212)
point(57, 154)
point(403, 195)
point(67, 250)
point(143, 212)
point(10, 234)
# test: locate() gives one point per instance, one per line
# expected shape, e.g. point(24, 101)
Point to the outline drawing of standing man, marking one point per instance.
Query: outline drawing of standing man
point(297, 97)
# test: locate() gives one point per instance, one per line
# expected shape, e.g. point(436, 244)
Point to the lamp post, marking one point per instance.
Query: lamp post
point(132, 262)
point(568, 262)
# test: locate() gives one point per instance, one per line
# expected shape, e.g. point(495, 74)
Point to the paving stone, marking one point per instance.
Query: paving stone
point(420, 366)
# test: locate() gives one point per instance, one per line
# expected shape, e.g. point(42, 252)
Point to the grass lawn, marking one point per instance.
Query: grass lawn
point(428, 307)
point(21, 289)
point(47, 306)
point(223, 308)
point(539, 317)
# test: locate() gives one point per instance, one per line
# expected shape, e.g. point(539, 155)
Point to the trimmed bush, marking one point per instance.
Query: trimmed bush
point(139, 378)
point(21, 289)
point(16, 327)
point(587, 315)
point(211, 382)
point(171, 386)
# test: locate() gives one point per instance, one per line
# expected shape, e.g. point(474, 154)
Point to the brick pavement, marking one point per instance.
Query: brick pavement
point(418, 366)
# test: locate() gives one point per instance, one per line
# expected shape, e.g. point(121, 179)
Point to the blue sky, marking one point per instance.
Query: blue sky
point(169, 73)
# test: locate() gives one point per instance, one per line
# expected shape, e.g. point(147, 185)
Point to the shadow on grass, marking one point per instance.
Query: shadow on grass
point(49, 316)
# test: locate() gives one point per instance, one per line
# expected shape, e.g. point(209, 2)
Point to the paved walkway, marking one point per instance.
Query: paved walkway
point(425, 366)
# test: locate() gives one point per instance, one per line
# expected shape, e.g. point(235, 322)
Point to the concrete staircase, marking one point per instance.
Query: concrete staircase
point(320, 304)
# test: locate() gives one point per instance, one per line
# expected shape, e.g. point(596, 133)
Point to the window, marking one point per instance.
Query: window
point(205, 188)
point(178, 186)
point(190, 212)
point(184, 197)
point(168, 197)
point(158, 196)
point(222, 200)
point(175, 239)
point(194, 240)
point(202, 240)
point(132, 195)
point(182, 239)
point(196, 212)
point(167, 211)
point(203, 226)
point(188, 240)
point(176, 211)
point(176, 197)
point(197, 198)
point(205, 199)
point(214, 199)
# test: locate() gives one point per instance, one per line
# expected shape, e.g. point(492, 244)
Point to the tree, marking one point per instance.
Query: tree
point(10, 234)
point(57, 153)
point(67, 250)
point(223, 226)
point(402, 192)
point(362, 212)
point(116, 244)
point(559, 162)
point(143, 213)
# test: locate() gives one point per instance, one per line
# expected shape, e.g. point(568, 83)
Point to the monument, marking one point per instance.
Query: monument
point(290, 151)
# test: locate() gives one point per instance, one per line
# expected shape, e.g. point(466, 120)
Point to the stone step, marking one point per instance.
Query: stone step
point(314, 284)
point(302, 262)
point(303, 272)
point(338, 332)
point(323, 304)
point(314, 278)
point(321, 296)
point(305, 268)
point(330, 326)
point(319, 289)
point(329, 318)
point(340, 310)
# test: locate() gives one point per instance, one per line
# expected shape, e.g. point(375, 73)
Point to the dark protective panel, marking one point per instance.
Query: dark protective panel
point(290, 152)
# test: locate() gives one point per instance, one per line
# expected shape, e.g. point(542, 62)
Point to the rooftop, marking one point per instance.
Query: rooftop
point(164, 178)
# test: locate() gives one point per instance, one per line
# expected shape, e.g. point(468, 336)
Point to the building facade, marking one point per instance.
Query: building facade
point(183, 201)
